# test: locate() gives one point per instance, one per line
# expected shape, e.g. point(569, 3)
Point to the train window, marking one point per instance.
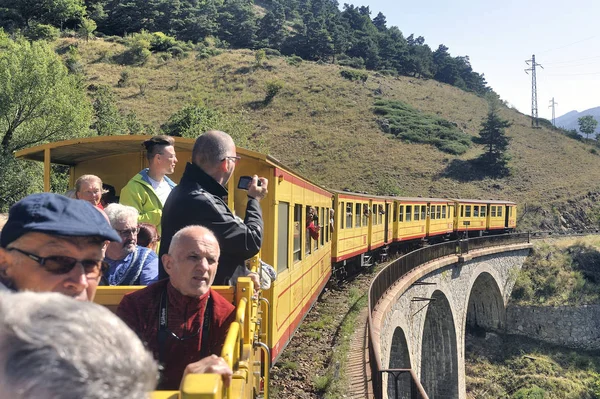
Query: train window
point(499, 211)
point(341, 215)
point(443, 211)
point(462, 211)
point(374, 213)
point(510, 208)
point(493, 211)
point(431, 212)
point(438, 212)
point(349, 215)
point(395, 214)
point(476, 211)
point(408, 212)
point(358, 216)
point(283, 240)
point(307, 240)
point(380, 214)
point(468, 211)
point(329, 224)
point(417, 213)
point(322, 223)
point(401, 213)
point(483, 211)
point(366, 215)
point(297, 232)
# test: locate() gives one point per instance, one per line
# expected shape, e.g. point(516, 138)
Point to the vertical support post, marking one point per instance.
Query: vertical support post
point(47, 170)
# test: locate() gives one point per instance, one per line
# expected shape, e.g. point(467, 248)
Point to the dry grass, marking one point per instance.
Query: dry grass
point(323, 126)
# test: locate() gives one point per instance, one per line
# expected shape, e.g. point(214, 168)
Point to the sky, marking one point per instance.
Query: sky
point(498, 36)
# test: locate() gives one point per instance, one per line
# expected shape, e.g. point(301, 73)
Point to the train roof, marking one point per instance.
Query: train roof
point(475, 201)
point(74, 151)
point(392, 198)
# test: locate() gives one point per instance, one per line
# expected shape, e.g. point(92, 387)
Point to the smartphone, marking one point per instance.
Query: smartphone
point(245, 181)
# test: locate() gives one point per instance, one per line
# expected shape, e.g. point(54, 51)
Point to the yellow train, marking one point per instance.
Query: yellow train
point(356, 230)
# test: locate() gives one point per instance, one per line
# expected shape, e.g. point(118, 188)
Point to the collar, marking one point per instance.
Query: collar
point(196, 174)
point(179, 301)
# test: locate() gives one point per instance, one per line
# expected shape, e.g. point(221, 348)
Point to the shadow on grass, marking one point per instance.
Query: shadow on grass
point(472, 170)
point(256, 105)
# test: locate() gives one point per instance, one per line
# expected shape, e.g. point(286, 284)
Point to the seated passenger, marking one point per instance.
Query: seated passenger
point(312, 223)
point(148, 236)
point(53, 243)
point(89, 188)
point(52, 347)
point(128, 263)
point(193, 320)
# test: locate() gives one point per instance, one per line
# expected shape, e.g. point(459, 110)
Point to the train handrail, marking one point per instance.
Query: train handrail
point(399, 268)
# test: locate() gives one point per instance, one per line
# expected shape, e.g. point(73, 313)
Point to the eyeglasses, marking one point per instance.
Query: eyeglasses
point(235, 159)
point(64, 264)
point(127, 232)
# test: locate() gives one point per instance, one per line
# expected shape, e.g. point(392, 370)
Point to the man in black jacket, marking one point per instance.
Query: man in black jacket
point(199, 200)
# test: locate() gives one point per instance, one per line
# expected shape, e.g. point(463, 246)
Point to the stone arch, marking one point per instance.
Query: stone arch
point(439, 352)
point(485, 309)
point(399, 359)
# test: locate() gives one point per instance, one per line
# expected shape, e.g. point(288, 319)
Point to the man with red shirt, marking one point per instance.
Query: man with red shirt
point(181, 319)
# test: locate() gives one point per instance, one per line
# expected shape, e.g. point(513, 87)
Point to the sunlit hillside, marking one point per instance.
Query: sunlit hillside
point(322, 125)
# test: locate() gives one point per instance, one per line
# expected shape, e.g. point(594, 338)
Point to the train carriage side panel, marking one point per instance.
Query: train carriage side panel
point(376, 224)
point(471, 215)
point(440, 218)
point(352, 235)
point(511, 223)
point(412, 219)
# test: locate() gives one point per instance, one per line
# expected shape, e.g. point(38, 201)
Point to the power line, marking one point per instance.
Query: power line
point(534, 107)
point(569, 61)
point(567, 45)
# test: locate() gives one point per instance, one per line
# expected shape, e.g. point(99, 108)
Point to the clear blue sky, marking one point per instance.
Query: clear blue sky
point(499, 36)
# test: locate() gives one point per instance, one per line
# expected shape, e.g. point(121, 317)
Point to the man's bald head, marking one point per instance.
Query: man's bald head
point(211, 148)
point(192, 260)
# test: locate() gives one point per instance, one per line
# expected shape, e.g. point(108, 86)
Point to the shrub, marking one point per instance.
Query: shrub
point(259, 57)
point(42, 32)
point(177, 52)
point(124, 79)
point(73, 61)
point(271, 52)
point(353, 62)
point(294, 60)
point(162, 42)
point(273, 87)
point(407, 123)
point(534, 392)
point(354, 75)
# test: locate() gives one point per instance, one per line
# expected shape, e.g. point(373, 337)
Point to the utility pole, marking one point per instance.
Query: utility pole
point(534, 107)
point(552, 104)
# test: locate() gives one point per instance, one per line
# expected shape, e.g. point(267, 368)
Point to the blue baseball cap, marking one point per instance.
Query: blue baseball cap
point(55, 214)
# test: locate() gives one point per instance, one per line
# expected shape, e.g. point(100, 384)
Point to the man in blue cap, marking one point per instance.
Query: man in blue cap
point(51, 243)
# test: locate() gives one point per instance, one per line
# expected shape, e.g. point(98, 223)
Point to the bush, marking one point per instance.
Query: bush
point(177, 52)
point(73, 61)
point(273, 87)
point(352, 62)
point(354, 75)
point(42, 32)
point(271, 52)
point(259, 57)
point(124, 79)
point(408, 124)
point(162, 42)
point(206, 52)
point(534, 392)
point(294, 60)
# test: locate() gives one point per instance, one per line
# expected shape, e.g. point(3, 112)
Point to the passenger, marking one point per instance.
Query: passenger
point(181, 319)
point(89, 188)
point(52, 347)
point(51, 243)
point(198, 199)
point(312, 223)
point(71, 194)
point(331, 219)
point(128, 263)
point(148, 236)
point(109, 195)
point(148, 190)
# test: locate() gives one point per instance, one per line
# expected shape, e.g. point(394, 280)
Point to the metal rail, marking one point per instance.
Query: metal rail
point(396, 270)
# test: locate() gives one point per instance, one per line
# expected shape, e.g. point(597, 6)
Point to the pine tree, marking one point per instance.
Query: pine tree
point(495, 141)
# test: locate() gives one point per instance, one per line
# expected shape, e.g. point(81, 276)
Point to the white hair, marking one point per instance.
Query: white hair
point(119, 213)
point(54, 347)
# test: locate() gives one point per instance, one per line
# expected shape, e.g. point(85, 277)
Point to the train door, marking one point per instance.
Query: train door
point(386, 222)
point(508, 212)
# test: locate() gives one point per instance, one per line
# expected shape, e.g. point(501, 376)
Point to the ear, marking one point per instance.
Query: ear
point(5, 263)
point(167, 262)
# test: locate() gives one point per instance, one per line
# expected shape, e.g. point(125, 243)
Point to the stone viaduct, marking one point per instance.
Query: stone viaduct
point(420, 323)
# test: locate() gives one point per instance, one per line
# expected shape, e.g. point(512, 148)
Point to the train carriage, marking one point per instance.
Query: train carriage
point(410, 219)
point(479, 216)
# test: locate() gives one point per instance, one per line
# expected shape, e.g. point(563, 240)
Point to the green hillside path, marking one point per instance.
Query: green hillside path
point(358, 371)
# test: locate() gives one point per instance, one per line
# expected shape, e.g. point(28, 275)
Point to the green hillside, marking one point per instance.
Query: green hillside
point(323, 126)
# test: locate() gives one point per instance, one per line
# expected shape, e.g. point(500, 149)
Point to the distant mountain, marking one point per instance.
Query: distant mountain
point(569, 120)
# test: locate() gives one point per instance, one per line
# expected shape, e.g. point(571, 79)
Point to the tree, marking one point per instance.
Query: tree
point(53, 12)
point(87, 28)
point(587, 125)
point(494, 139)
point(39, 100)
point(108, 119)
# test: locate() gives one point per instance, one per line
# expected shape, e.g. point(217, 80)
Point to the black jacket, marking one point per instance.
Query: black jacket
point(198, 200)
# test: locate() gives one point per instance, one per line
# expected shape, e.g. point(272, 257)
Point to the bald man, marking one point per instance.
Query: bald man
point(199, 200)
point(181, 319)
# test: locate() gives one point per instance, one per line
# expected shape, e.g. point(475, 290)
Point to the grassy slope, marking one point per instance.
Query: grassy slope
point(323, 126)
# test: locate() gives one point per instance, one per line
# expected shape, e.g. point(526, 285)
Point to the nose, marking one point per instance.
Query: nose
point(203, 264)
point(76, 281)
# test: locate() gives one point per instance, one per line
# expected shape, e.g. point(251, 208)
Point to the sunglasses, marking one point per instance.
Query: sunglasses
point(64, 264)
